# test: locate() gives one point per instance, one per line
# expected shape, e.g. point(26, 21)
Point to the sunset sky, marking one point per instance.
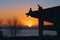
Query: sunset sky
point(18, 8)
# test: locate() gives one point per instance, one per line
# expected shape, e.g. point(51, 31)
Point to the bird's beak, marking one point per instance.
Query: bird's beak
point(27, 14)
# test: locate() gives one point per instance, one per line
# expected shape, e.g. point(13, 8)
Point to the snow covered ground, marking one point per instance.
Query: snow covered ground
point(28, 32)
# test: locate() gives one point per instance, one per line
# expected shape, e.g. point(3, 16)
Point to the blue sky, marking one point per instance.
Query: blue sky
point(48, 3)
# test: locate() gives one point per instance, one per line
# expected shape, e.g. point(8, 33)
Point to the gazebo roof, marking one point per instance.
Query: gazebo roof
point(52, 14)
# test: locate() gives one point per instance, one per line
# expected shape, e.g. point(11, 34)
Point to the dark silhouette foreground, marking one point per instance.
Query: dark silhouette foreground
point(49, 14)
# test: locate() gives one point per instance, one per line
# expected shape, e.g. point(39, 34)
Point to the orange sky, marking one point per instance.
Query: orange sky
point(19, 12)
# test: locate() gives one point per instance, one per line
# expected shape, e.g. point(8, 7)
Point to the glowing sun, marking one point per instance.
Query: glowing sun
point(30, 25)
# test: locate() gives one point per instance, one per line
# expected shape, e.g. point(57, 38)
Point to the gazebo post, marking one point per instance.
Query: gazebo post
point(41, 26)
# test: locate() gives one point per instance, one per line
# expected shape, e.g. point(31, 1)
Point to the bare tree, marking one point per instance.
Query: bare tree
point(14, 28)
point(15, 21)
point(10, 25)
